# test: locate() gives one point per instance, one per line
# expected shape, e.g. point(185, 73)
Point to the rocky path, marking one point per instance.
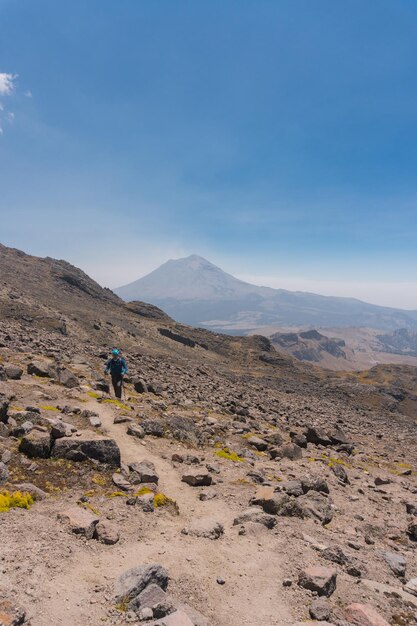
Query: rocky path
point(248, 565)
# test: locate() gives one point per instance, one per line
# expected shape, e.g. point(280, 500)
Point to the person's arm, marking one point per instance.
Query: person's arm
point(124, 367)
point(107, 368)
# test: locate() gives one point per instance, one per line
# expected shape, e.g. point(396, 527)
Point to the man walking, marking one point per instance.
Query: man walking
point(117, 368)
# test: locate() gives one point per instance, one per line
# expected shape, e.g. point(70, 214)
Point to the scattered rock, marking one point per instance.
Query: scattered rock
point(4, 473)
point(106, 533)
point(13, 372)
point(11, 615)
point(80, 521)
point(197, 479)
point(396, 562)
point(258, 443)
point(319, 609)
point(132, 582)
point(143, 472)
point(319, 579)
point(206, 528)
point(135, 431)
point(87, 446)
point(256, 515)
point(364, 615)
point(178, 618)
point(36, 444)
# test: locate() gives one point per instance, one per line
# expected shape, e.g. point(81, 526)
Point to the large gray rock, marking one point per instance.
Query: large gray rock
point(36, 444)
point(178, 618)
point(396, 562)
point(316, 505)
point(256, 515)
point(288, 451)
point(87, 446)
point(143, 472)
point(106, 533)
point(317, 436)
point(197, 479)
point(13, 372)
point(206, 528)
point(132, 582)
point(39, 368)
point(4, 405)
point(155, 598)
point(67, 378)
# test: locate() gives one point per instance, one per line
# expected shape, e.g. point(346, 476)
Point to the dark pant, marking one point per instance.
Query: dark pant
point(117, 382)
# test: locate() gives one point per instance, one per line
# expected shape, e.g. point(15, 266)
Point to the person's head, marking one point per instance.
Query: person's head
point(115, 353)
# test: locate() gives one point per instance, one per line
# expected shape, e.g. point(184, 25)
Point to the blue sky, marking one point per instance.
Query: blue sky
point(278, 138)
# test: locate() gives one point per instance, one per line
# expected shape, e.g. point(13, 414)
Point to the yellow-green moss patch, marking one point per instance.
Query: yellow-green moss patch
point(231, 456)
point(17, 499)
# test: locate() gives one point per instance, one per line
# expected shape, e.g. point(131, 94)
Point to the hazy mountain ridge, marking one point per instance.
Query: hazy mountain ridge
point(194, 291)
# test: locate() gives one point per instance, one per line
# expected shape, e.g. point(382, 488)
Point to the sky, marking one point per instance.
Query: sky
point(277, 138)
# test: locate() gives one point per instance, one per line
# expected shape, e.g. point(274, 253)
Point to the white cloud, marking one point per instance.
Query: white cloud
point(7, 87)
point(7, 83)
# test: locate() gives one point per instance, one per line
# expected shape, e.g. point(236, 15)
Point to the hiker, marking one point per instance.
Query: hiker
point(117, 368)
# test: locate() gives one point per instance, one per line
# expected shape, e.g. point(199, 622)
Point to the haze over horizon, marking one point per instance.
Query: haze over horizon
point(276, 139)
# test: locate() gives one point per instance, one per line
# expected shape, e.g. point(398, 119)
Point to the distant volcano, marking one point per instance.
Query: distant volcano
point(194, 291)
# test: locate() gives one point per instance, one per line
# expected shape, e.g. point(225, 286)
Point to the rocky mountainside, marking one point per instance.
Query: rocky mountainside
point(231, 485)
point(309, 345)
point(194, 291)
point(401, 341)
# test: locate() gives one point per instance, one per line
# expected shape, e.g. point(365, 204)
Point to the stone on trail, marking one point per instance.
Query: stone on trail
point(206, 528)
point(67, 378)
point(255, 515)
point(319, 579)
point(11, 615)
point(143, 472)
point(22, 429)
point(396, 562)
point(197, 479)
point(95, 421)
point(87, 446)
point(80, 521)
point(36, 444)
point(364, 615)
point(132, 582)
point(106, 533)
point(412, 531)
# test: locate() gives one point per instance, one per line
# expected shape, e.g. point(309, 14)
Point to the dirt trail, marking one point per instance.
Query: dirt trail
point(251, 566)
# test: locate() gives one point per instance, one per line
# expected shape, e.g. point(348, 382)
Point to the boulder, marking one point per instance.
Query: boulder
point(278, 503)
point(314, 484)
point(36, 492)
point(39, 368)
point(143, 472)
point(121, 482)
point(106, 533)
point(140, 386)
point(67, 378)
point(255, 515)
point(316, 505)
point(4, 405)
point(317, 436)
point(80, 521)
point(288, 451)
point(319, 579)
point(340, 473)
point(36, 444)
point(364, 615)
point(411, 508)
point(206, 528)
point(396, 562)
point(22, 430)
point(258, 443)
point(134, 430)
point(197, 479)
point(132, 582)
point(154, 598)
point(87, 446)
point(13, 372)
